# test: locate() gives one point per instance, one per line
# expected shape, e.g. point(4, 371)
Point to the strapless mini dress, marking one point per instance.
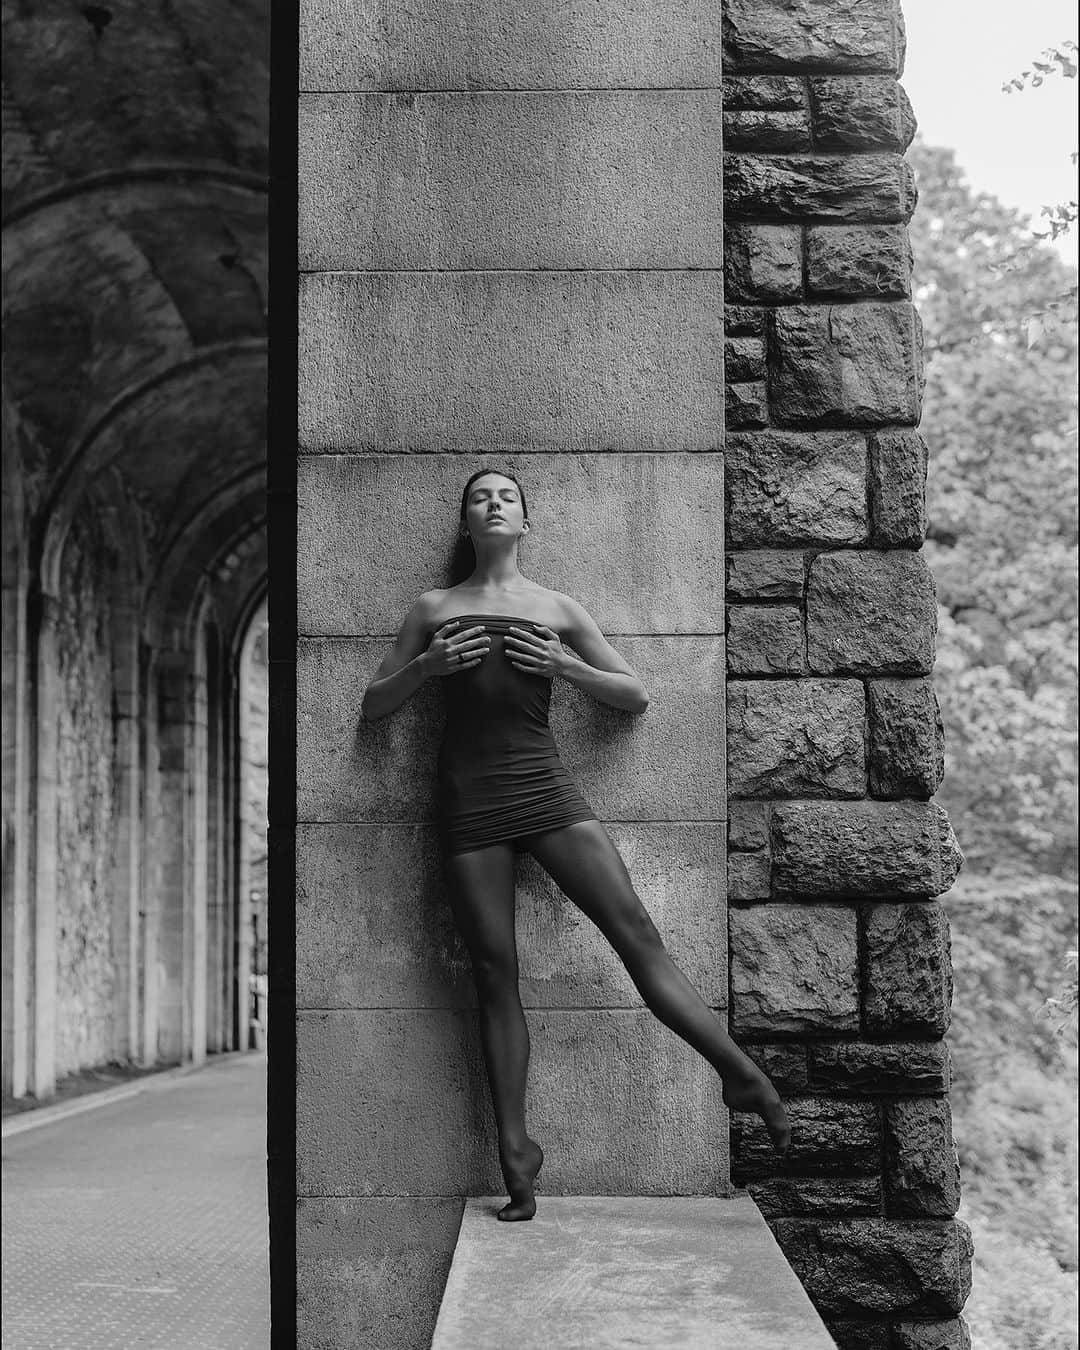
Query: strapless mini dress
point(500, 778)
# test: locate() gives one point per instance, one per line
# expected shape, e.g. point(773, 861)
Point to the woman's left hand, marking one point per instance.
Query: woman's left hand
point(538, 653)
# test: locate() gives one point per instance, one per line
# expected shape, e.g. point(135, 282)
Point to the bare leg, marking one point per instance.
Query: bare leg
point(586, 865)
point(481, 889)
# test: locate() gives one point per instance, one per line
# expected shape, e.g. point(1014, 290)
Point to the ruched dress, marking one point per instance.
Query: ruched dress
point(499, 773)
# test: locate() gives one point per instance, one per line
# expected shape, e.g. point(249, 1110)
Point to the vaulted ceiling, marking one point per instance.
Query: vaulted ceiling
point(134, 210)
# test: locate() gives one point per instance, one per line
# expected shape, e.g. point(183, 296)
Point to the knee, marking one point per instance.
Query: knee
point(637, 936)
point(495, 975)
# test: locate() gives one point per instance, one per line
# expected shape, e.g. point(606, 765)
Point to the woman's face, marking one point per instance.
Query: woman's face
point(493, 507)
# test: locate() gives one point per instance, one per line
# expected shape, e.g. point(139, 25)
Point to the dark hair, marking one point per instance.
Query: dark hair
point(464, 557)
point(482, 473)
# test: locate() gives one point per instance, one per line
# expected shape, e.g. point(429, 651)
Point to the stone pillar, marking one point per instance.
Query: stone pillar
point(218, 958)
point(840, 972)
point(229, 741)
point(127, 826)
point(17, 937)
point(174, 925)
point(150, 863)
point(196, 830)
point(512, 249)
point(42, 1076)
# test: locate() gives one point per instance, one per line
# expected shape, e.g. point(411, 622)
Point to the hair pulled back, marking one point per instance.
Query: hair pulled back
point(463, 562)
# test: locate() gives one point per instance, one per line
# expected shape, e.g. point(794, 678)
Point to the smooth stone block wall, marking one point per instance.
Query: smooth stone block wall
point(498, 361)
point(503, 180)
point(637, 539)
point(458, 44)
point(375, 928)
point(664, 765)
point(371, 1271)
point(619, 1103)
point(349, 769)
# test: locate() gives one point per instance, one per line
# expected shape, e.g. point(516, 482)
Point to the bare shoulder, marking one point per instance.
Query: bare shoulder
point(428, 602)
point(423, 611)
point(574, 617)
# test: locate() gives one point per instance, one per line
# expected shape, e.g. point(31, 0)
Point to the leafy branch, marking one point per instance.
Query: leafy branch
point(1061, 1012)
point(1056, 61)
point(1061, 218)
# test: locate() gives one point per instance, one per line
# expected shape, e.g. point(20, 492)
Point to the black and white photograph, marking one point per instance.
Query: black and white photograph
point(540, 653)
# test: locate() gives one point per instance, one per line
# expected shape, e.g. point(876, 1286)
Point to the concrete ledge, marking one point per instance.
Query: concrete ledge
point(606, 1272)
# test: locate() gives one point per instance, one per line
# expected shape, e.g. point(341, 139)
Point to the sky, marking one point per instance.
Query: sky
point(1017, 146)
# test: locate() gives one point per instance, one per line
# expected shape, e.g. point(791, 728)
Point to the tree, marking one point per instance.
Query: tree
point(1000, 420)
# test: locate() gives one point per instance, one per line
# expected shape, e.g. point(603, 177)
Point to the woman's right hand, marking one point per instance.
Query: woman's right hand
point(451, 652)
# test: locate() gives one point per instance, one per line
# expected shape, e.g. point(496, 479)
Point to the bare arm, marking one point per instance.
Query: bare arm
point(599, 669)
point(411, 661)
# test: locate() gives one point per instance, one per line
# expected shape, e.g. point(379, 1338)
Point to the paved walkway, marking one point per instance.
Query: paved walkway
point(142, 1224)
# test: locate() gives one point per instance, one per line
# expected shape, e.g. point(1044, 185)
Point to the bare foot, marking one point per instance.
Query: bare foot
point(519, 1169)
point(755, 1093)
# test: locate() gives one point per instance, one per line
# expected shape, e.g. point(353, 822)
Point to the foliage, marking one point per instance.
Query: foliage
point(1055, 61)
point(999, 417)
point(1008, 931)
point(1023, 1300)
point(1061, 1012)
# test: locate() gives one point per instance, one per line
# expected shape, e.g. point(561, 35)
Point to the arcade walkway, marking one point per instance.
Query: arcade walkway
point(141, 1224)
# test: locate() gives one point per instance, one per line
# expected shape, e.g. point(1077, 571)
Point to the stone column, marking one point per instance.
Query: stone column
point(218, 957)
point(196, 831)
point(230, 751)
point(172, 974)
point(150, 862)
point(42, 1077)
point(17, 937)
point(511, 243)
point(840, 969)
point(243, 855)
point(127, 825)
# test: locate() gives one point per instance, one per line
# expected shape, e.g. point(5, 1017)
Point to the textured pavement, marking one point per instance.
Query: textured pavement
point(142, 1225)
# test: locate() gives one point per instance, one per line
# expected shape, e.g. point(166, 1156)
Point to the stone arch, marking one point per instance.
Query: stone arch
point(111, 437)
point(134, 395)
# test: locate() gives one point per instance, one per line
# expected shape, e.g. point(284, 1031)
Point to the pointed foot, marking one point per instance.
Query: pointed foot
point(520, 1170)
point(759, 1097)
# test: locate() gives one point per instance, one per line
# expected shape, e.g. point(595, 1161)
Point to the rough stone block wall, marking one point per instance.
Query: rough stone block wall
point(85, 977)
point(839, 951)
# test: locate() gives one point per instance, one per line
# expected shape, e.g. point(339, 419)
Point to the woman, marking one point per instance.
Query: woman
point(496, 638)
